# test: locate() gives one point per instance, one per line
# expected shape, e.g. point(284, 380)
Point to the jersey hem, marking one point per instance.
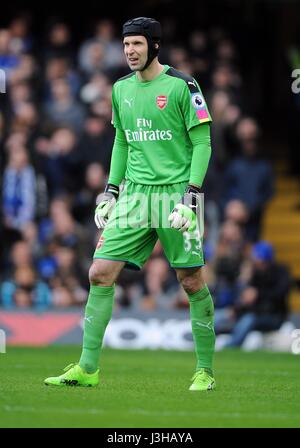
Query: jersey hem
point(129, 264)
point(189, 266)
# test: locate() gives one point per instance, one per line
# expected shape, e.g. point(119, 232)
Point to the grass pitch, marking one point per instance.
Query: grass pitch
point(150, 389)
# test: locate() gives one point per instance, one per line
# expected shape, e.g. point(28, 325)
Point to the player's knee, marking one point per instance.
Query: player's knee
point(100, 274)
point(191, 283)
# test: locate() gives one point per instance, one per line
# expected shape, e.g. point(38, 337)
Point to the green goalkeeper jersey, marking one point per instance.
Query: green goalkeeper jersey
point(156, 117)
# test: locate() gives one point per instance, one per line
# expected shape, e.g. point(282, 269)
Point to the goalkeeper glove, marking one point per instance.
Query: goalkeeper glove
point(183, 217)
point(105, 204)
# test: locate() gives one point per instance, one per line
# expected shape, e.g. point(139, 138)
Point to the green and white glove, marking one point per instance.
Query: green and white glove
point(105, 204)
point(184, 216)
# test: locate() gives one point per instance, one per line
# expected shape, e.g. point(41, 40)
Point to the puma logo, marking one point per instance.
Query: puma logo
point(89, 319)
point(208, 325)
point(129, 102)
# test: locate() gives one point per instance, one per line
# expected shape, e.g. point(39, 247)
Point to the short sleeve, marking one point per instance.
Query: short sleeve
point(193, 105)
point(115, 118)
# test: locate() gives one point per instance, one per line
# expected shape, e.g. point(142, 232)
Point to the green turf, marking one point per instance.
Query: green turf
point(149, 389)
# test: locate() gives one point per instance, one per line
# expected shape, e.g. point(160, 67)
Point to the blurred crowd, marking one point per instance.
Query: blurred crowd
point(55, 148)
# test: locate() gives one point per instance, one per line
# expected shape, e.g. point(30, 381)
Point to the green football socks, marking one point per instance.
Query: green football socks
point(98, 313)
point(202, 319)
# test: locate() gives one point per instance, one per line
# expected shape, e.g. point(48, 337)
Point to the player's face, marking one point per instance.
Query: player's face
point(136, 51)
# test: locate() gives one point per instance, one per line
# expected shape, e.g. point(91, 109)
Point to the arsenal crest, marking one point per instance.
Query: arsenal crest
point(161, 101)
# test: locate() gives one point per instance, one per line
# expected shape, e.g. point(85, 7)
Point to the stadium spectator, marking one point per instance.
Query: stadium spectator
point(9, 59)
point(59, 43)
point(225, 79)
point(85, 199)
point(20, 256)
point(226, 114)
point(21, 39)
point(66, 284)
point(60, 161)
point(96, 141)
point(25, 290)
point(237, 212)
point(95, 59)
point(96, 88)
point(19, 93)
point(25, 119)
point(26, 70)
point(156, 276)
point(226, 53)
point(198, 50)
point(224, 269)
point(60, 68)
point(102, 108)
point(102, 51)
point(64, 231)
point(19, 187)
point(30, 235)
point(249, 166)
point(62, 108)
point(21, 285)
point(262, 305)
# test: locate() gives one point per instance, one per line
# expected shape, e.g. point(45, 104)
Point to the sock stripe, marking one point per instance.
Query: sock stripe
point(101, 290)
point(199, 295)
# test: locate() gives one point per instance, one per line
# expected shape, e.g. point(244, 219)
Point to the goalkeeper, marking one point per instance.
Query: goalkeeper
point(161, 149)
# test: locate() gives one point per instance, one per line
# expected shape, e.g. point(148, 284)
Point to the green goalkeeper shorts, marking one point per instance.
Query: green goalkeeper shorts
point(139, 219)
